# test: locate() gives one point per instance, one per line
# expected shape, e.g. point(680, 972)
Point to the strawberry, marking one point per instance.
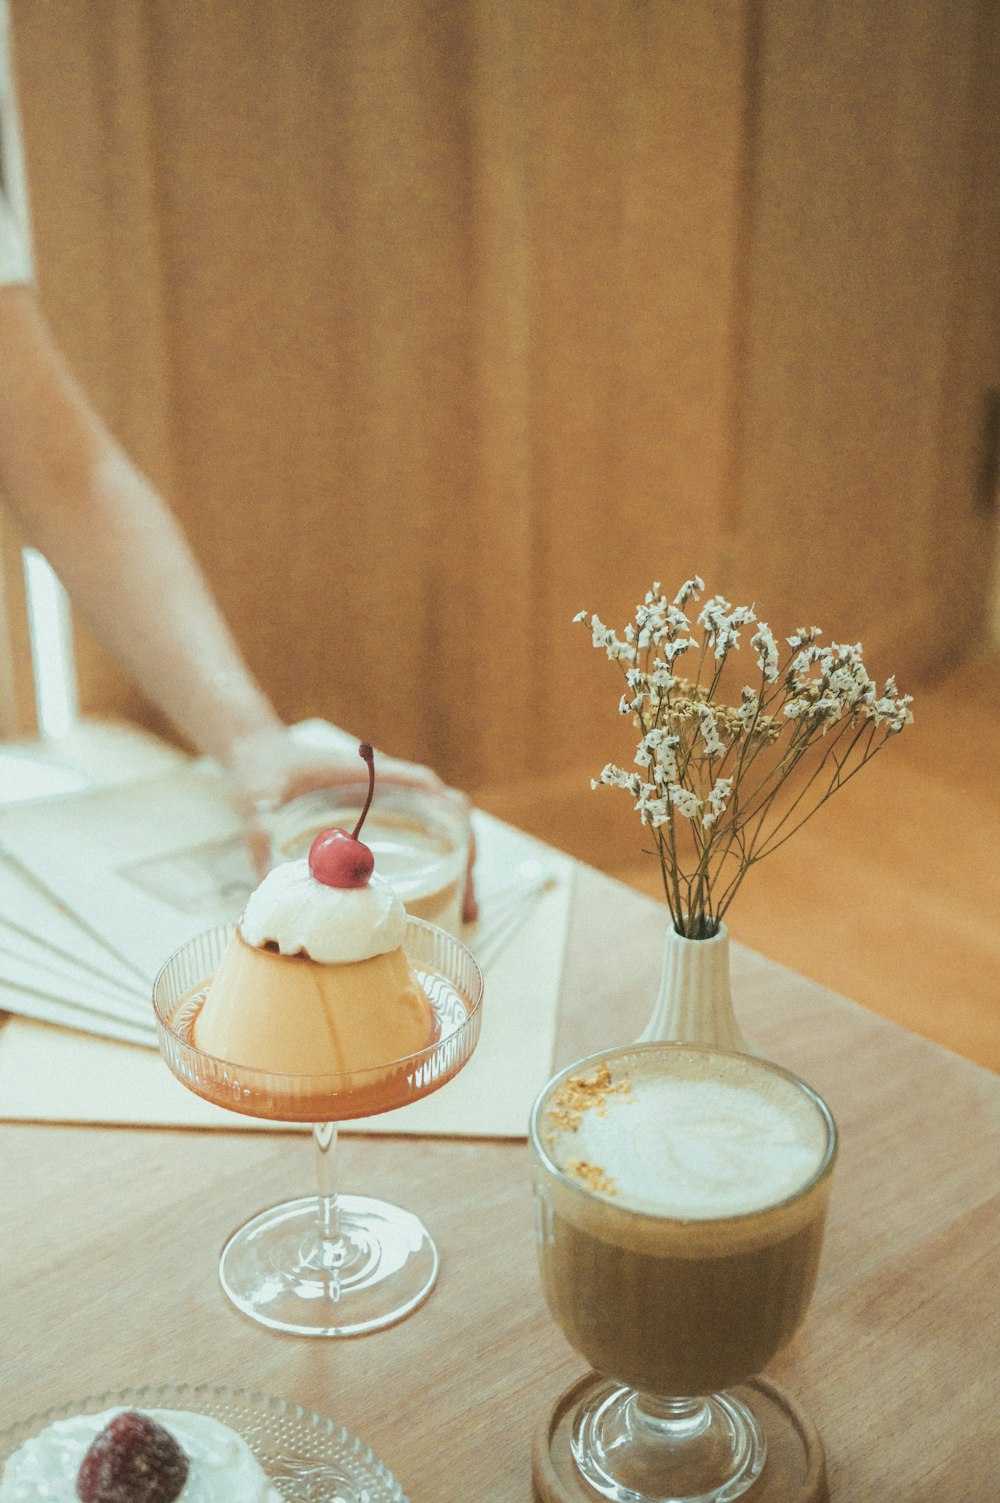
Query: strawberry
point(132, 1460)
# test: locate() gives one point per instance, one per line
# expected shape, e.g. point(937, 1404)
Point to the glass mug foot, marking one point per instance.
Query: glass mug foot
point(281, 1271)
point(634, 1448)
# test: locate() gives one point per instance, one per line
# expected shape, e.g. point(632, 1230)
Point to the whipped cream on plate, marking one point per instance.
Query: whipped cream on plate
point(223, 1469)
point(334, 925)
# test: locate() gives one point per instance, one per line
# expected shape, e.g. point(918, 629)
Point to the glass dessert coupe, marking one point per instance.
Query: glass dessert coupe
point(329, 1264)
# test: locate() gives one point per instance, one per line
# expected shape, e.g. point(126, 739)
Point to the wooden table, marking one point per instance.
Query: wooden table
point(109, 1241)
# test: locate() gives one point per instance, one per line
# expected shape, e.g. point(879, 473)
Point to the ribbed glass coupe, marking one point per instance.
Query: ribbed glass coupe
point(326, 1264)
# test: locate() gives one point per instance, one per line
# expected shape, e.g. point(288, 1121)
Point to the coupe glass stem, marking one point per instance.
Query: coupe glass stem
point(332, 1248)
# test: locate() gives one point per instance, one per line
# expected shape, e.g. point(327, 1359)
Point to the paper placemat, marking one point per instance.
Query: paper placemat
point(32, 911)
point(143, 866)
point(38, 956)
point(87, 994)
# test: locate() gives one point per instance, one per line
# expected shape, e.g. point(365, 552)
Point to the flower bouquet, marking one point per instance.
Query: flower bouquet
point(727, 770)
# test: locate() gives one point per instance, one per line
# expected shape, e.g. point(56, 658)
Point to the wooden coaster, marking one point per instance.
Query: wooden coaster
point(795, 1470)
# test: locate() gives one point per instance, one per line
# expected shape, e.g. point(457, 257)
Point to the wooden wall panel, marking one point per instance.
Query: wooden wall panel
point(634, 323)
point(431, 343)
point(438, 322)
point(870, 309)
point(966, 572)
point(314, 198)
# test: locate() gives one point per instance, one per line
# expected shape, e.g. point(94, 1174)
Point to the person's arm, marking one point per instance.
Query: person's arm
point(130, 572)
point(114, 543)
point(110, 537)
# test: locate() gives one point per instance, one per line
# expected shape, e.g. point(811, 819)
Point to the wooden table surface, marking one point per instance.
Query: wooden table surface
point(109, 1242)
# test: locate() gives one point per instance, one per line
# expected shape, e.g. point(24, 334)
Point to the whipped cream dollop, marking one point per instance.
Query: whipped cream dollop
point(223, 1468)
point(334, 925)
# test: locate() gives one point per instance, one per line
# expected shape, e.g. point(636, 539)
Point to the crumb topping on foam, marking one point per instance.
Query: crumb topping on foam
point(592, 1176)
point(579, 1094)
point(705, 1141)
point(223, 1468)
point(333, 925)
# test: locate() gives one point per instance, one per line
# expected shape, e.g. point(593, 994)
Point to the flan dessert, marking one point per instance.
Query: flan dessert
point(315, 992)
point(315, 981)
point(130, 1456)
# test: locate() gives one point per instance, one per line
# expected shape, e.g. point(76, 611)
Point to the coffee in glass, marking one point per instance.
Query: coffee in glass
point(681, 1195)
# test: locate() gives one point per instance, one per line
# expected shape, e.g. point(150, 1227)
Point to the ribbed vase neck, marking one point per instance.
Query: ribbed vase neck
point(694, 1004)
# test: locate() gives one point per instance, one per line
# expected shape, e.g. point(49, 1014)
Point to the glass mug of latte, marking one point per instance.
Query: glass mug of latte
point(681, 1195)
point(419, 837)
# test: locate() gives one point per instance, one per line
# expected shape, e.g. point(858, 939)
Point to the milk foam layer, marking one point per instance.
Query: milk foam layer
point(223, 1469)
point(334, 925)
point(701, 1137)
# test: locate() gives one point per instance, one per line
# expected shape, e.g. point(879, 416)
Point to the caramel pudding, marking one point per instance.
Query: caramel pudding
point(315, 995)
point(311, 1009)
point(292, 1015)
point(682, 1196)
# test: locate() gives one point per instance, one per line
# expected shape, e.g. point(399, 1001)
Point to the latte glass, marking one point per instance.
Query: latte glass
point(668, 1266)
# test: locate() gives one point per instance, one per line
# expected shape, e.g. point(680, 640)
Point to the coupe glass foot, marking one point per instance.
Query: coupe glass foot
point(280, 1271)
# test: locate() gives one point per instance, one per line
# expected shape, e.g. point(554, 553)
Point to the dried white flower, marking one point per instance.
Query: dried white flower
point(722, 623)
point(658, 751)
point(767, 651)
point(714, 744)
point(717, 800)
point(709, 771)
point(662, 680)
point(652, 806)
point(892, 710)
point(617, 777)
point(749, 707)
point(673, 649)
point(684, 800)
point(602, 636)
point(690, 590)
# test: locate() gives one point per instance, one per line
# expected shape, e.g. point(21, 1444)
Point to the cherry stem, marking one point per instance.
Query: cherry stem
point(365, 751)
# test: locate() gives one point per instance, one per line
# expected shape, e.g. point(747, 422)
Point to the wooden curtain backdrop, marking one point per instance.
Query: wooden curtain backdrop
point(439, 320)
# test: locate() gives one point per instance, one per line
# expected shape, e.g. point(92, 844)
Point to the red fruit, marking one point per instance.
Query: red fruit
point(132, 1460)
point(340, 860)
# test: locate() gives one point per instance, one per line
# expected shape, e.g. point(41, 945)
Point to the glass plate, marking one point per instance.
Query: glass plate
point(308, 1458)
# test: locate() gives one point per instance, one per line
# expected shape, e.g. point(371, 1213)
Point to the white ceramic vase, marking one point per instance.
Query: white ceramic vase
point(695, 1002)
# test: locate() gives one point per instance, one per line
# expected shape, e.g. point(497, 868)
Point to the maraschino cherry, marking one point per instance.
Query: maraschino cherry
point(340, 860)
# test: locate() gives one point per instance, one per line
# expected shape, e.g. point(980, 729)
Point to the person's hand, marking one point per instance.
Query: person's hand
point(272, 766)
